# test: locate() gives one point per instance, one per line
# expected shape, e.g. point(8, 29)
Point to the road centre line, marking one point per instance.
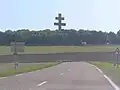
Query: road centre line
point(68, 69)
point(41, 83)
point(62, 74)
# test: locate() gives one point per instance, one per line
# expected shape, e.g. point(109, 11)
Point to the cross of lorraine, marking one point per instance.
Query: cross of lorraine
point(60, 24)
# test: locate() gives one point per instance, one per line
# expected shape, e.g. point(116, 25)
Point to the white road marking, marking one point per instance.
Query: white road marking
point(41, 84)
point(93, 65)
point(18, 74)
point(30, 72)
point(38, 70)
point(62, 74)
point(98, 69)
point(68, 69)
point(3, 77)
point(107, 78)
point(22, 74)
point(112, 83)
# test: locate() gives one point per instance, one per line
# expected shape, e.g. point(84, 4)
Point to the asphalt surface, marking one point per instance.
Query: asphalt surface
point(66, 76)
point(67, 56)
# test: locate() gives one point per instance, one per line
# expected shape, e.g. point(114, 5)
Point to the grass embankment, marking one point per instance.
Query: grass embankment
point(8, 69)
point(60, 49)
point(109, 70)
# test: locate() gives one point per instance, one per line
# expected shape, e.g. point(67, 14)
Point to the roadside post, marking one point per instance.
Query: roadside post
point(15, 48)
point(117, 52)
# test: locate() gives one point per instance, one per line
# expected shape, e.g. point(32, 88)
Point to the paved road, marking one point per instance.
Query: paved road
point(66, 76)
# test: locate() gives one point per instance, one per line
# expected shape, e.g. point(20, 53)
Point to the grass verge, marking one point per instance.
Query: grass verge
point(24, 69)
point(108, 69)
point(4, 50)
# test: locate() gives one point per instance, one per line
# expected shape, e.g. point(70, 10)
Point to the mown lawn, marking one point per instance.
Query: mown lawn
point(60, 49)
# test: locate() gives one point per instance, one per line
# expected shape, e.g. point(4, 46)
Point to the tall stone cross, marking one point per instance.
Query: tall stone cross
point(60, 24)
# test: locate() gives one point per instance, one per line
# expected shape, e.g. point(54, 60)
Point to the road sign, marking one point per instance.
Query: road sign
point(117, 51)
point(17, 46)
point(59, 24)
point(59, 18)
point(63, 24)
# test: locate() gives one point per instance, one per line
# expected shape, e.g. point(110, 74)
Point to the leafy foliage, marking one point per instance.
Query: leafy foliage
point(56, 37)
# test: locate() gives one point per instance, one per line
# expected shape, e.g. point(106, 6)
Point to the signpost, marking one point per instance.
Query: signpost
point(60, 24)
point(117, 52)
point(15, 48)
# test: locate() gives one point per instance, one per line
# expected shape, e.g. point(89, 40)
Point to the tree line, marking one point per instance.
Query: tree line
point(57, 37)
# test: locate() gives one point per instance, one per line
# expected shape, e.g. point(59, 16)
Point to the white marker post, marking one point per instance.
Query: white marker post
point(117, 52)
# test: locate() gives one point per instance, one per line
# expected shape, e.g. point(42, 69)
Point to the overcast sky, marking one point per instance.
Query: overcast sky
point(39, 14)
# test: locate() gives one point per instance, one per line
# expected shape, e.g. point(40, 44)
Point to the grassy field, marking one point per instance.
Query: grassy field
point(60, 49)
point(109, 70)
point(8, 69)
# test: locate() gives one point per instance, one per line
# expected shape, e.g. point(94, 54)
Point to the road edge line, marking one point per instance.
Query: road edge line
point(19, 74)
point(3, 77)
point(107, 78)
